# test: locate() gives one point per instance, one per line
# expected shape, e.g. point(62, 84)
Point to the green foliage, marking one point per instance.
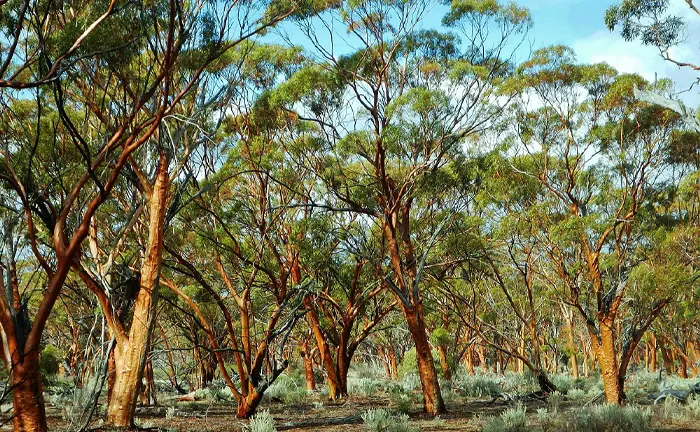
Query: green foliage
point(381, 420)
point(477, 386)
point(610, 418)
point(50, 361)
point(441, 336)
point(409, 363)
point(646, 20)
point(287, 389)
point(261, 422)
point(511, 420)
point(464, 9)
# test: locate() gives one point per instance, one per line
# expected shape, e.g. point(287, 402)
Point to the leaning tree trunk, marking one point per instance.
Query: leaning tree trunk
point(130, 354)
point(432, 397)
point(27, 395)
point(335, 390)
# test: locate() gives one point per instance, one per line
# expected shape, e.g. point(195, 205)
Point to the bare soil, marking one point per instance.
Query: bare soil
point(326, 417)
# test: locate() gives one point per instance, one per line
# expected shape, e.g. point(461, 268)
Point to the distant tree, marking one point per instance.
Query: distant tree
point(413, 97)
point(598, 152)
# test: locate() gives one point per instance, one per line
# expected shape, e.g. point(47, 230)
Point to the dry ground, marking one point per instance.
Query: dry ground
point(328, 417)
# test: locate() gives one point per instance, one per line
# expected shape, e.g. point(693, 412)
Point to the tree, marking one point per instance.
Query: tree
point(87, 123)
point(589, 115)
point(394, 80)
point(350, 294)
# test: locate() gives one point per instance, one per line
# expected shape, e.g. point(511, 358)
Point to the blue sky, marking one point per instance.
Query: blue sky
point(580, 25)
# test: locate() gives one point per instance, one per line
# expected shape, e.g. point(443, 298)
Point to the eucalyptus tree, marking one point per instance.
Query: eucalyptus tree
point(506, 254)
point(67, 139)
point(246, 211)
point(395, 109)
point(597, 151)
point(351, 300)
point(43, 40)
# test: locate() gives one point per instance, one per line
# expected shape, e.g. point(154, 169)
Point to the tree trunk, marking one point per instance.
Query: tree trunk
point(335, 390)
point(470, 359)
point(393, 363)
point(584, 351)
point(308, 367)
point(130, 354)
point(27, 395)
point(127, 385)
point(572, 347)
point(432, 397)
point(607, 359)
point(343, 369)
point(148, 389)
point(666, 355)
point(652, 352)
point(444, 363)
point(247, 405)
point(111, 376)
point(521, 364)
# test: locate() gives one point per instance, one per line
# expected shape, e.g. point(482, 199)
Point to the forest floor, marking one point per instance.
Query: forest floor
point(344, 416)
point(467, 399)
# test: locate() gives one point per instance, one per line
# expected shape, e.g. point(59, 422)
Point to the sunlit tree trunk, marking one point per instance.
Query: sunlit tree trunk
point(572, 346)
point(432, 397)
point(27, 400)
point(333, 381)
point(307, 355)
point(607, 359)
point(130, 355)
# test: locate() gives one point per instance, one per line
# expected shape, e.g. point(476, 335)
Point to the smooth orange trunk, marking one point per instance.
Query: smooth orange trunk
point(130, 354)
point(432, 397)
point(607, 360)
point(27, 396)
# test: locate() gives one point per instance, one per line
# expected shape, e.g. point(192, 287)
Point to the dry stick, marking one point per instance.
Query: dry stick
point(98, 388)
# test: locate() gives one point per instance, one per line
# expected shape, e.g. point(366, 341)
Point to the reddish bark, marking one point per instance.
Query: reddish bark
point(27, 401)
point(433, 403)
point(130, 353)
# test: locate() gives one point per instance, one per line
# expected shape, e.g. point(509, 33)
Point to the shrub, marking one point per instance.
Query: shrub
point(563, 382)
point(477, 385)
point(409, 363)
point(261, 422)
point(410, 382)
point(286, 389)
point(170, 412)
point(381, 420)
point(555, 400)
point(363, 386)
point(367, 370)
point(693, 404)
point(450, 397)
point(675, 411)
point(547, 421)
point(611, 418)
point(438, 423)
point(575, 394)
point(511, 420)
point(50, 361)
point(401, 402)
point(214, 394)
